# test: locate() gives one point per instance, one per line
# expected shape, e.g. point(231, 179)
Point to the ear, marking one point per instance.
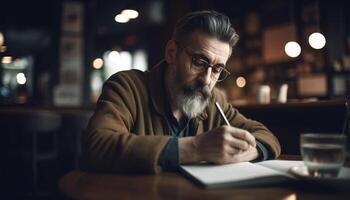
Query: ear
point(170, 51)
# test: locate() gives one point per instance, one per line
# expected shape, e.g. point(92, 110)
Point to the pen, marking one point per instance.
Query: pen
point(222, 113)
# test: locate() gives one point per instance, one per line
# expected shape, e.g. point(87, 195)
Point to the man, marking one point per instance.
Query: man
point(155, 120)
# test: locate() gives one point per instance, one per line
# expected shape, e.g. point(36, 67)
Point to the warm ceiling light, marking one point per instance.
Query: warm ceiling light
point(97, 63)
point(1, 39)
point(292, 49)
point(21, 78)
point(6, 59)
point(317, 40)
point(121, 18)
point(131, 14)
point(241, 82)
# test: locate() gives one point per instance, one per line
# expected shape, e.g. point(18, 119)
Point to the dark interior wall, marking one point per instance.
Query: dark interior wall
point(287, 122)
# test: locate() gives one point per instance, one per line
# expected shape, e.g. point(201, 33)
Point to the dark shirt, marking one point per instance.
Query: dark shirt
point(169, 157)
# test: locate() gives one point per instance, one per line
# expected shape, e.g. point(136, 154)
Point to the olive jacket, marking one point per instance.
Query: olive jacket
point(128, 130)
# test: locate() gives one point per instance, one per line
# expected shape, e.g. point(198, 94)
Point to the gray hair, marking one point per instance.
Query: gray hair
point(210, 22)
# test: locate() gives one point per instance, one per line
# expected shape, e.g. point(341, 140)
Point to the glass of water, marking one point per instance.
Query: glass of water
point(323, 154)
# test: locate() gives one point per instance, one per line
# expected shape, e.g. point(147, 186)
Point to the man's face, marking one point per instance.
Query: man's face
point(192, 88)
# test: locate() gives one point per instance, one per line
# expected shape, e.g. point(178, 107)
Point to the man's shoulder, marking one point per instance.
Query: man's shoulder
point(128, 74)
point(129, 82)
point(129, 77)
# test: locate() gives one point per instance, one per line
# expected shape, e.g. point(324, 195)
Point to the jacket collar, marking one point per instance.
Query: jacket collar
point(156, 88)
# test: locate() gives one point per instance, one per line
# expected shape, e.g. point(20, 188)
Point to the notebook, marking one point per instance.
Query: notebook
point(241, 174)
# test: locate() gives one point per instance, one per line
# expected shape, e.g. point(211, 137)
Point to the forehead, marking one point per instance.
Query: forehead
point(216, 50)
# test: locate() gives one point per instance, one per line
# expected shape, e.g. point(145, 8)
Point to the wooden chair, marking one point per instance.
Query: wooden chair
point(30, 141)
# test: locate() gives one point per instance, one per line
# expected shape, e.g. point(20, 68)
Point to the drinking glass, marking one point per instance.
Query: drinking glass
point(323, 154)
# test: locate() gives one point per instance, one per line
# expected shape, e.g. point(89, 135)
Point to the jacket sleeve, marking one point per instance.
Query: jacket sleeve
point(260, 132)
point(109, 145)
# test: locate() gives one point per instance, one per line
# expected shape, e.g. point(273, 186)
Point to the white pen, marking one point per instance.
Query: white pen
point(222, 113)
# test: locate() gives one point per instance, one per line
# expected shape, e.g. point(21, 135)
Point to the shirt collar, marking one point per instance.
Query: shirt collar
point(156, 87)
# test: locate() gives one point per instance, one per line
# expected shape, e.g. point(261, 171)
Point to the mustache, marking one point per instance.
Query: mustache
point(196, 86)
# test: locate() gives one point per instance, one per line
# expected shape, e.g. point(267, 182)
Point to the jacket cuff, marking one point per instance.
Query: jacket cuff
point(264, 153)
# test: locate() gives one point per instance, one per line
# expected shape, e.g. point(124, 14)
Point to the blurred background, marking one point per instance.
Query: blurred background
point(60, 52)
point(289, 70)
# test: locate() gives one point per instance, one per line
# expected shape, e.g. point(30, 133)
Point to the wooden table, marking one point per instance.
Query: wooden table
point(82, 185)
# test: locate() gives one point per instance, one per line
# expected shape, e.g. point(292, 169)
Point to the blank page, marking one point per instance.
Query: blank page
point(230, 173)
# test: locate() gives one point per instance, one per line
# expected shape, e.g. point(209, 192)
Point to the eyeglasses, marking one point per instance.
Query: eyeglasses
point(199, 65)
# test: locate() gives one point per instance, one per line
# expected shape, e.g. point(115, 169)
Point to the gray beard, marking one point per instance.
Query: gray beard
point(192, 98)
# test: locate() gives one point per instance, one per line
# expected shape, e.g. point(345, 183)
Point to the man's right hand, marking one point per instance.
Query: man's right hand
point(221, 145)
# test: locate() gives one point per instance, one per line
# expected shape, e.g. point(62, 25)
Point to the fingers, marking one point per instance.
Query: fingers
point(224, 155)
point(242, 136)
point(231, 150)
point(223, 144)
point(239, 144)
point(244, 156)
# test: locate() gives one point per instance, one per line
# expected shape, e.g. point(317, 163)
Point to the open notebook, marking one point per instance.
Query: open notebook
point(257, 174)
point(241, 174)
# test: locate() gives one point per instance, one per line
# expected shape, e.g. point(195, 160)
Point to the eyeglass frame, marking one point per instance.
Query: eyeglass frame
point(205, 65)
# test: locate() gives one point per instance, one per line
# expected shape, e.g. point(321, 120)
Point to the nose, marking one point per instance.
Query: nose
point(205, 76)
